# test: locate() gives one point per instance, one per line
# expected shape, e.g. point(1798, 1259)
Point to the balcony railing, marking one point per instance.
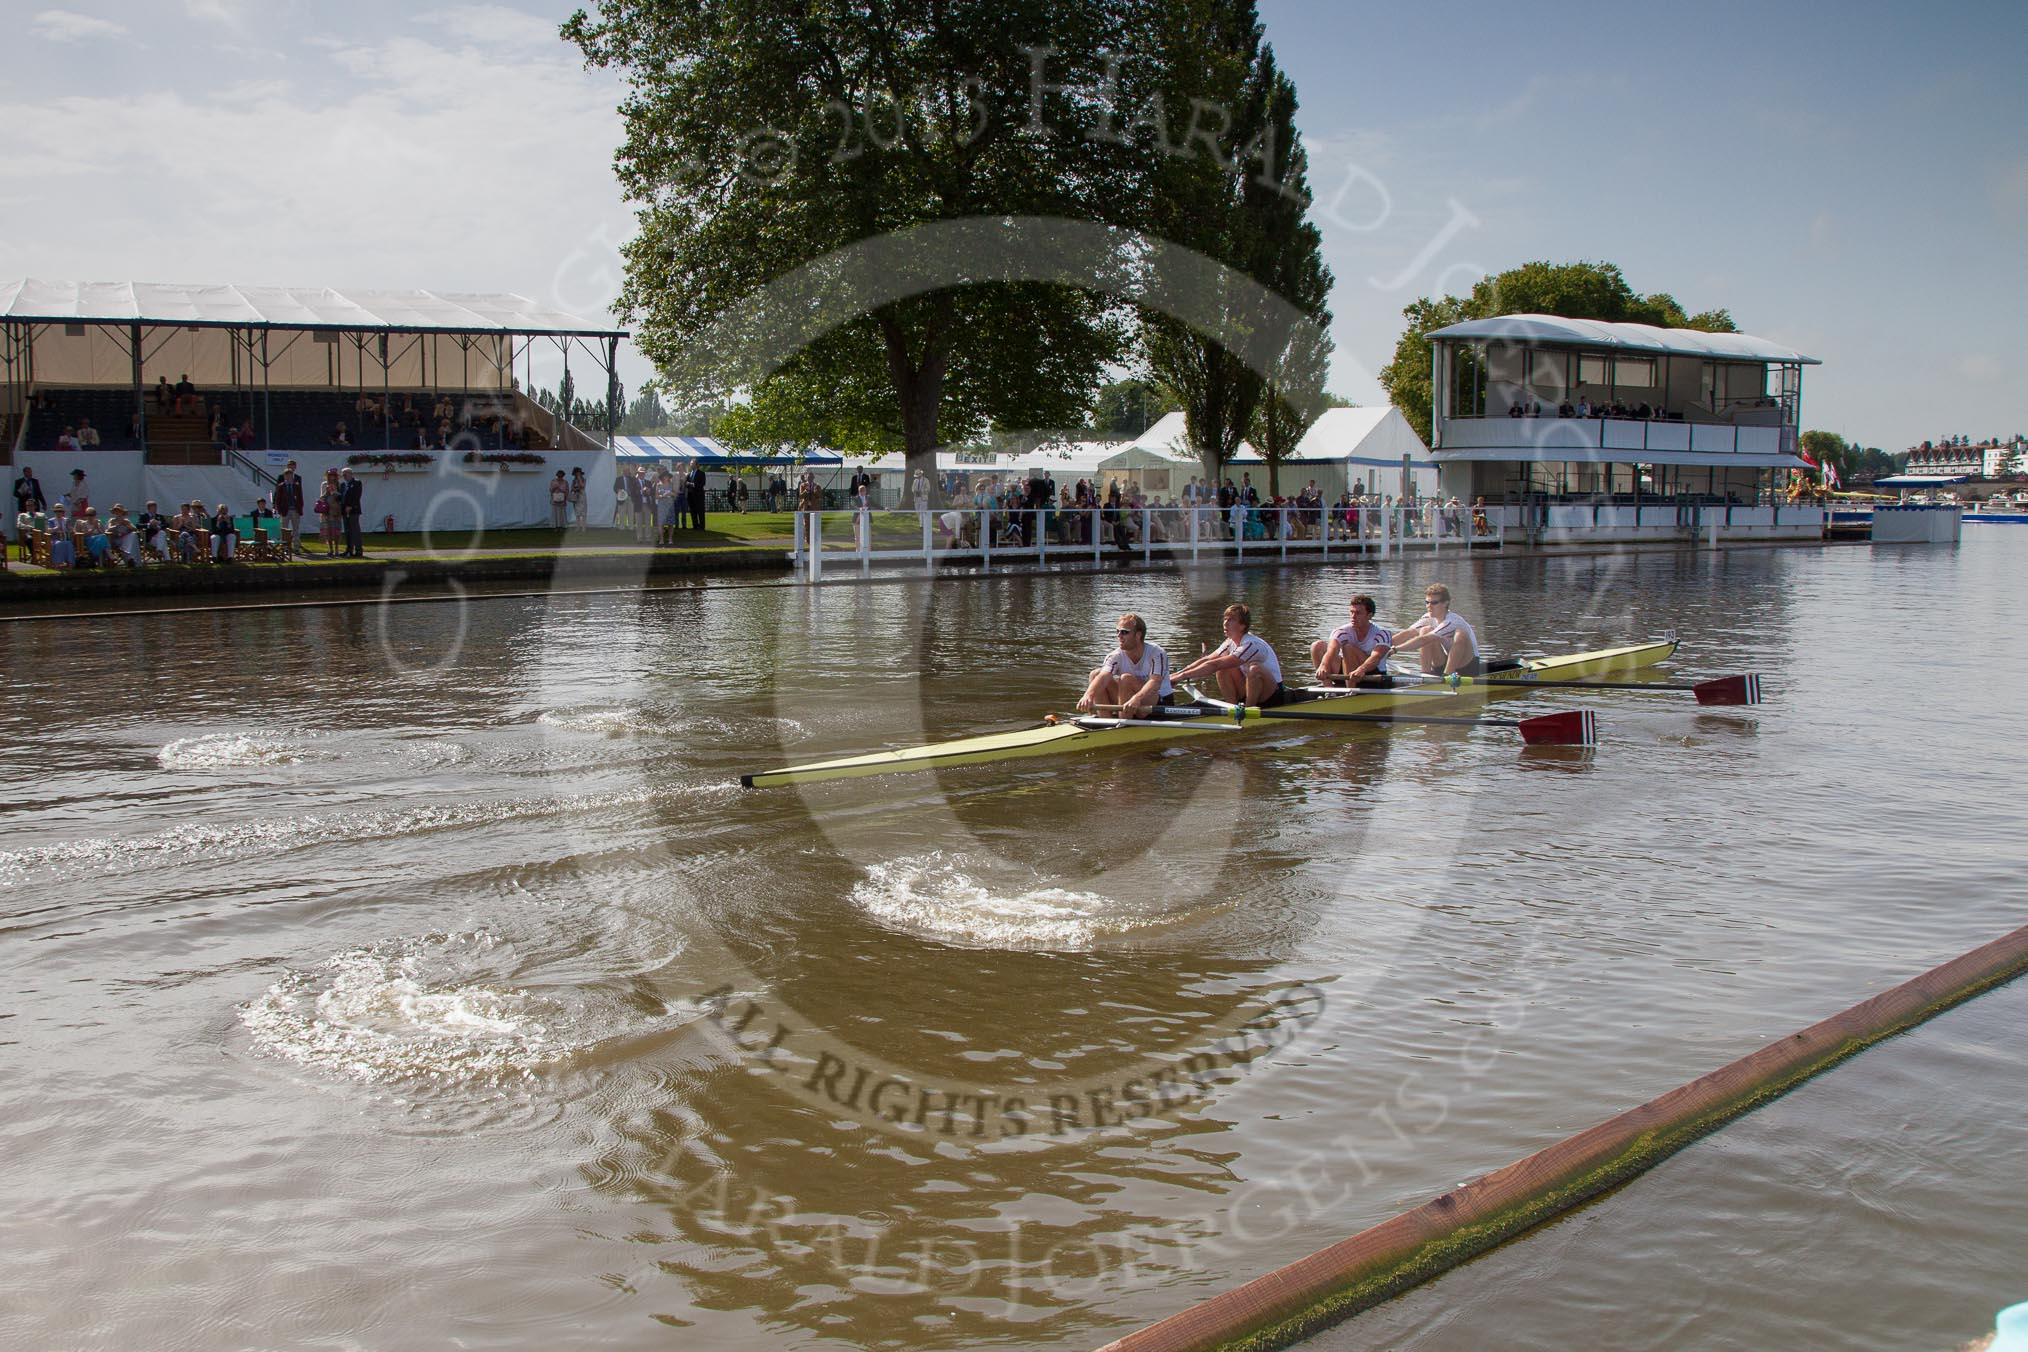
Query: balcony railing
point(1543, 438)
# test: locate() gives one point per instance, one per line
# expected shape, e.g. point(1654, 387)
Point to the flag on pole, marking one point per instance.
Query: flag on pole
point(1830, 473)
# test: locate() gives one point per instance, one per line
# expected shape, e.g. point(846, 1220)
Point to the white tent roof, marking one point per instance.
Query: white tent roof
point(1363, 436)
point(1556, 331)
point(159, 303)
point(1069, 457)
point(1169, 438)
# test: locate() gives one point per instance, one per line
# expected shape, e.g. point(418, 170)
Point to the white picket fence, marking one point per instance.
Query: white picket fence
point(983, 536)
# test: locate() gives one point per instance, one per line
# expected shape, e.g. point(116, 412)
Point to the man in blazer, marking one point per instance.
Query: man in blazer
point(694, 482)
point(289, 507)
point(351, 502)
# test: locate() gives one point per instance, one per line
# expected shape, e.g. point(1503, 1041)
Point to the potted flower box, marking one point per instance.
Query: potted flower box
point(393, 462)
point(506, 462)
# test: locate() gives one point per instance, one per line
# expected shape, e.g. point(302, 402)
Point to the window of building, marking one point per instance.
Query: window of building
point(1633, 373)
point(1593, 372)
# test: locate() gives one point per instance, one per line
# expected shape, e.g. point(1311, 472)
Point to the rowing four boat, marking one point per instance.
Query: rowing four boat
point(1193, 720)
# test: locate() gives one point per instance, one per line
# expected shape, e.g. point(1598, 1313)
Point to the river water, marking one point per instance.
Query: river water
point(420, 976)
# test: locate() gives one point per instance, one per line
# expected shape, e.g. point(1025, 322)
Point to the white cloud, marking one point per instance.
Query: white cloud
point(495, 26)
point(413, 172)
point(65, 25)
point(231, 13)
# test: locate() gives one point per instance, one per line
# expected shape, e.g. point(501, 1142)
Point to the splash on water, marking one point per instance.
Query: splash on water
point(239, 750)
point(443, 1006)
point(940, 897)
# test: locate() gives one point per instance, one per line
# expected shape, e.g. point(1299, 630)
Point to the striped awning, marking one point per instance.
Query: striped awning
point(710, 451)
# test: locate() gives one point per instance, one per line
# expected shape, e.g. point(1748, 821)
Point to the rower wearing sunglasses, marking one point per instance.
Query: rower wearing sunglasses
point(1134, 678)
point(1447, 644)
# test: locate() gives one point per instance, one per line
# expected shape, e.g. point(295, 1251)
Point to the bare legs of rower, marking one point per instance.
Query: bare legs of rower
point(1447, 644)
point(1133, 696)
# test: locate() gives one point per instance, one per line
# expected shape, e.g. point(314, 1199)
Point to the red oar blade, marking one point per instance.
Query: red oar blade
point(1729, 690)
point(1578, 727)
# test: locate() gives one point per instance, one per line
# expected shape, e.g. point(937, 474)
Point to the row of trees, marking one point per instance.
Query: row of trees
point(793, 162)
point(1855, 464)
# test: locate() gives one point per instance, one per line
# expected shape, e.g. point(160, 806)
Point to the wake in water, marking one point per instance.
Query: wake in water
point(236, 750)
point(115, 856)
point(945, 898)
point(671, 720)
point(442, 1007)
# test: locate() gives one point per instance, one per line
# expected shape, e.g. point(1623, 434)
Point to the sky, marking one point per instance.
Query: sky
point(1847, 178)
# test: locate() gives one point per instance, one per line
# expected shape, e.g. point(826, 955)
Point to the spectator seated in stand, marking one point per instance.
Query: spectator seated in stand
point(62, 553)
point(98, 544)
point(126, 540)
point(187, 400)
point(164, 396)
point(1513, 410)
point(224, 535)
point(66, 441)
point(340, 437)
point(365, 409)
point(183, 528)
point(87, 435)
point(152, 528)
point(1564, 410)
point(1644, 411)
point(1584, 409)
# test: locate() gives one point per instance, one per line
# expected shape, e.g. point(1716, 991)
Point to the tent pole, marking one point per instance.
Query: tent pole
point(267, 399)
point(612, 389)
point(386, 399)
point(140, 395)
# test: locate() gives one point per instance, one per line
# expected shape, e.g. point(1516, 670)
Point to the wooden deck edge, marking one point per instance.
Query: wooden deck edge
point(1297, 1300)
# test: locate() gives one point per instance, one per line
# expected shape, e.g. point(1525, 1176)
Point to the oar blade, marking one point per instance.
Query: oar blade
point(1575, 727)
point(1729, 690)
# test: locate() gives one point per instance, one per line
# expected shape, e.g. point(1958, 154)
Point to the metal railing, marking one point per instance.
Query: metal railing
point(983, 535)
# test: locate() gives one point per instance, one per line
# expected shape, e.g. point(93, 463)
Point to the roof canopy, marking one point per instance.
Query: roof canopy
point(1377, 436)
point(283, 307)
point(710, 451)
point(1556, 331)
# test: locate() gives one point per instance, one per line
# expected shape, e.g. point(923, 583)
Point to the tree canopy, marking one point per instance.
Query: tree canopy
point(1571, 290)
point(772, 146)
point(1855, 463)
point(765, 135)
point(1247, 208)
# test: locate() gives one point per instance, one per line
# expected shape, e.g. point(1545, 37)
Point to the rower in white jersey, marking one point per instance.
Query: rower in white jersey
point(1356, 653)
point(1247, 669)
point(1447, 643)
point(1134, 678)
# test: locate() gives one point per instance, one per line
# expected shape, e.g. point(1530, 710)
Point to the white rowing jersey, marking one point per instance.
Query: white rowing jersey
point(1348, 641)
point(1253, 650)
point(1154, 662)
point(1447, 629)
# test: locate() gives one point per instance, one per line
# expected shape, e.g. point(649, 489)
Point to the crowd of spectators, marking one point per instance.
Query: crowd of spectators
point(1120, 512)
point(78, 535)
point(1585, 408)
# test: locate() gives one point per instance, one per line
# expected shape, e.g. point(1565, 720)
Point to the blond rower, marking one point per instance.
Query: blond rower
point(1134, 678)
point(1447, 644)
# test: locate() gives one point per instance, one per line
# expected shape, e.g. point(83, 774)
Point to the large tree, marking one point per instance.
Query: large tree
point(1571, 290)
point(1240, 197)
point(762, 136)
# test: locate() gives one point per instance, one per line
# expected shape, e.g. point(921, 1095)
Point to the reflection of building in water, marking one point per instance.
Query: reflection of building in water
point(1537, 407)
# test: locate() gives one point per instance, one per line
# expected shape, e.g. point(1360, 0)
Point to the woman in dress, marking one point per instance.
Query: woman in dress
point(579, 508)
point(327, 512)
